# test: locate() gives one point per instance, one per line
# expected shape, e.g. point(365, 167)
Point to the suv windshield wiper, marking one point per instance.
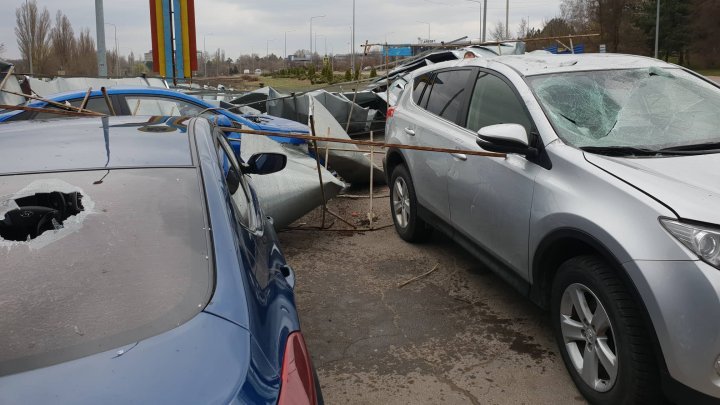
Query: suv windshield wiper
point(621, 150)
point(698, 148)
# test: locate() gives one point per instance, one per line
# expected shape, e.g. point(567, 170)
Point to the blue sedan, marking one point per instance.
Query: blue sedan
point(159, 102)
point(137, 267)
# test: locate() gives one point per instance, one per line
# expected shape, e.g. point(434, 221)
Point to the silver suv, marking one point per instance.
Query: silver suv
point(605, 209)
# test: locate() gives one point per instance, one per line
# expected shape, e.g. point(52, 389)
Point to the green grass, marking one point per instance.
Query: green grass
point(287, 84)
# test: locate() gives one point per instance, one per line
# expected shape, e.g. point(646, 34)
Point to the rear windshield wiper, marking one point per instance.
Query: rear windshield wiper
point(620, 150)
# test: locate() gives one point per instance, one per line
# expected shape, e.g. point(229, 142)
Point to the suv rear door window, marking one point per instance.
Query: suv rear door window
point(448, 94)
point(494, 102)
point(420, 84)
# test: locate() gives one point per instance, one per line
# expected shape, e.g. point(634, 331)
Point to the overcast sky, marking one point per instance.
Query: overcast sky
point(241, 27)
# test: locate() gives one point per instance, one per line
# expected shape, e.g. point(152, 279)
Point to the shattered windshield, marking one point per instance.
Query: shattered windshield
point(650, 108)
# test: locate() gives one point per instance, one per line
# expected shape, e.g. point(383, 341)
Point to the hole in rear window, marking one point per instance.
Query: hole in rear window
point(39, 213)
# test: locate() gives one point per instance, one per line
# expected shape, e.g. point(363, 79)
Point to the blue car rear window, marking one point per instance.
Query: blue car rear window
point(135, 262)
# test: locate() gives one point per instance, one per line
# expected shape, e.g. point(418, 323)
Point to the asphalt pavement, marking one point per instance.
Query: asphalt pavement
point(457, 335)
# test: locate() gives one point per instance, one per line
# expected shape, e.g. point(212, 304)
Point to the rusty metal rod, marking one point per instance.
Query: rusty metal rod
point(85, 99)
point(68, 113)
point(107, 100)
point(311, 119)
point(53, 103)
point(9, 73)
point(353, 150)
point(359, 142)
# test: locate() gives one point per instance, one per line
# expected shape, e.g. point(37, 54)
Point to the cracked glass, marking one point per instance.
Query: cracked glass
point(650, 108)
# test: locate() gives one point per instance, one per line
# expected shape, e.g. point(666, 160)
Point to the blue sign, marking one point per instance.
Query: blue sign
point(398, 51)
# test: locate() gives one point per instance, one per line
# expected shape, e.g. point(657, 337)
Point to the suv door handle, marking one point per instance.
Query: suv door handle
point(459, 156)
point(409, 131)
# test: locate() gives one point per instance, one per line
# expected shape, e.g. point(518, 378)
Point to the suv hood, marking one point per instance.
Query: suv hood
point(689, 185)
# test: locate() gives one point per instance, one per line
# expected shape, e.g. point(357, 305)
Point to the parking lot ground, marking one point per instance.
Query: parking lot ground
point(458, 335)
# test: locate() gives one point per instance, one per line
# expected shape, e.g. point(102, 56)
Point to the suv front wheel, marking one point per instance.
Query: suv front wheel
point(602, 335)
point(403, 207)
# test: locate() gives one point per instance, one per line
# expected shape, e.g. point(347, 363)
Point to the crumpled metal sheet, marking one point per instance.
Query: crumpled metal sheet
point(353, 167)
point(45, 88)
point(275, 103)
point(11, 84)
point(289, 194)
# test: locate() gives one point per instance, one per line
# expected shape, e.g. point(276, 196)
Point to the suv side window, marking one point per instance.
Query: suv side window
point(494, 102)
point(448, 94)
point(420, 84)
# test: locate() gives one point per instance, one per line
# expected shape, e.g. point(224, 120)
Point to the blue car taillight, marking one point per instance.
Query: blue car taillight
point(298, 382)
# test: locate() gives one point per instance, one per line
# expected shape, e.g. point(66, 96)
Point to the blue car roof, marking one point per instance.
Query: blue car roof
point(108, 142)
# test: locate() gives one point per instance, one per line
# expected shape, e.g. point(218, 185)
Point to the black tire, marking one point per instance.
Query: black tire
point(414, 229)
point(637, 380)
point(320, 399)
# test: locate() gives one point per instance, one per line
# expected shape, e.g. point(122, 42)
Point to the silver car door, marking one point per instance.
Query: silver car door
point(434, 124)
point(490, 198)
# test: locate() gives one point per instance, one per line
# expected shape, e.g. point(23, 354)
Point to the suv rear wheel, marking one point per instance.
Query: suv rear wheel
point(602, 336)
point(403, 206)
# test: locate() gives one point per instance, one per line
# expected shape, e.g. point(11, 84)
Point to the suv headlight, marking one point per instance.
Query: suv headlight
point(704, 241)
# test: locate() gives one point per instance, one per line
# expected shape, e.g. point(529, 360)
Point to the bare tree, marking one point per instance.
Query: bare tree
point(523, 29)
point(62, 38)
point(32, 29)
point(580, 14)
point(84, 58)
point(498, 32)
point(2, 48)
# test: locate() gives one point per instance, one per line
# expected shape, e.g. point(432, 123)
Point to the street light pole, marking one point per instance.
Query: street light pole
point(311, 35)
point(286, 32)
point(479, 18)
point(100, 32)
point(507, 19)
point(484, 19)
point(352, 41)
point(267, 48)
point(657, 29)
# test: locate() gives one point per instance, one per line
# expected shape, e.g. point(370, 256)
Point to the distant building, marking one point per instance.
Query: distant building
point(148, 56)
point(295, 60)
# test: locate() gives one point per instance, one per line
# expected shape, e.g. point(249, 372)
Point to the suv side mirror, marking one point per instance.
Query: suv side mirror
point(505, 138)
point(265, 163)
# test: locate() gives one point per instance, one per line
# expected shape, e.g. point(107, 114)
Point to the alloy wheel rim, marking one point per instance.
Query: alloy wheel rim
point(401, 202)
point(588, 337)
